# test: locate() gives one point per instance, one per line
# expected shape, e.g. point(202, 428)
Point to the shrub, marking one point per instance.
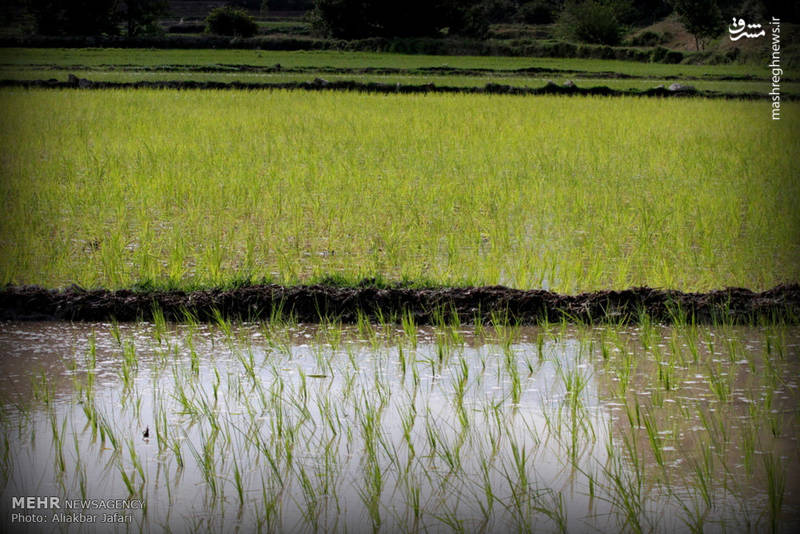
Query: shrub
point(539, 11)
point(590, 22)
point(230, 21)
point(647, 38)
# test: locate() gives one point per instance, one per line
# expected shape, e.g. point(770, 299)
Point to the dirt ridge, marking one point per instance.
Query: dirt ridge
point(415, 71)
point(313, 303)
point(320, 84)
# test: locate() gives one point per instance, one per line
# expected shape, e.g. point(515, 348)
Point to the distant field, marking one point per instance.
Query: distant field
point(335, 59)
point(757, 87)
point(183, 188)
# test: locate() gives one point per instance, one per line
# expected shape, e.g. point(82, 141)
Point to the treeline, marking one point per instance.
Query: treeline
point(587, 21)
point(96, 17)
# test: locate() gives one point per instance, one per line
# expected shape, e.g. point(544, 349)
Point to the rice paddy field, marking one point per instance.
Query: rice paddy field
point(387, 425)
point(189, 189)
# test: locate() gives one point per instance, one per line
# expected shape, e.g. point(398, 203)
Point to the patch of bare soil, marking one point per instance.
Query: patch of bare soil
point(317, 302)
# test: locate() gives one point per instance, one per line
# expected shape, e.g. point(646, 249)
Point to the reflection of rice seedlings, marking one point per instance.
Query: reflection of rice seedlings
point(449, 516)
point(270, 506)
point(58, 442)
point(408, 416)
point(311, 508)
point(137, 465)
point(205, 458)
point(5, 460)
point(626, 491)
point(237, 479)
point(748, 443)
point(161, 428)
point(694, 513)
point(128, 480)
point(776, 485)
point(413, 505)
point(703, 470)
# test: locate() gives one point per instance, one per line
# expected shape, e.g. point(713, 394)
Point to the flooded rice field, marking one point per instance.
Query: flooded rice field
point(285, 427)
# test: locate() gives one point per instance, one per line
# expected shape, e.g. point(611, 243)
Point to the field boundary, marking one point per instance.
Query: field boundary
point(319, 84)
point(315, 303)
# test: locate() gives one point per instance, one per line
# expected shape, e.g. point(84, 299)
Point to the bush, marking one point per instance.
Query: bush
point(539, 11)
point(590, 22)
point(231, 21)
point(664, 55)
point(647, 38)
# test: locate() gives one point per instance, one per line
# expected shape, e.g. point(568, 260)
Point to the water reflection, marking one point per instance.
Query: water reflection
point(305, 427)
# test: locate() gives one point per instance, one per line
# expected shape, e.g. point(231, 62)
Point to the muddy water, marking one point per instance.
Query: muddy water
point(300, 428)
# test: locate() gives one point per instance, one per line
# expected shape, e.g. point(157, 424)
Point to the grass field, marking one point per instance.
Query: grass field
point(112, 188)
point(356, 60)
point(584, 81)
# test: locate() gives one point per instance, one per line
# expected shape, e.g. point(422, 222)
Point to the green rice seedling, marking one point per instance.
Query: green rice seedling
point(646, 331)
point(409, 328)
point(116, 335)
point(107, 432)
point(159, 323)
point(653, 436)
point(720, 382)
point(128, 365)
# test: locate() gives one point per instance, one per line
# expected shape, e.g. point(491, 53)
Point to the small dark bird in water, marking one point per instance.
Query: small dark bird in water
point(146, 433)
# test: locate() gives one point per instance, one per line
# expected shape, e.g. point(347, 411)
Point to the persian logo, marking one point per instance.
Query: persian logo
point(737, 30)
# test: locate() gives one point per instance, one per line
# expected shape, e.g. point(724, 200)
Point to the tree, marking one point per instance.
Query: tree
point(590, 21)
point(229, 20)
point(141, 15)
point(357, 19)
point(701, 18)
point(75, 17)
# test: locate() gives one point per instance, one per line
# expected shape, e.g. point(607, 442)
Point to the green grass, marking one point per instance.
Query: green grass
point(111, 188)
point(356, 60)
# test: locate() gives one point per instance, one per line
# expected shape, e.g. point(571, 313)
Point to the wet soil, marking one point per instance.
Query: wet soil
point(320, 84)
point(316, 302)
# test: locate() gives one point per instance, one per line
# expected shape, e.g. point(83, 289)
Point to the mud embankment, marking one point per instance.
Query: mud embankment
point(444, 70)
point(320, 84)
point(317, 302)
